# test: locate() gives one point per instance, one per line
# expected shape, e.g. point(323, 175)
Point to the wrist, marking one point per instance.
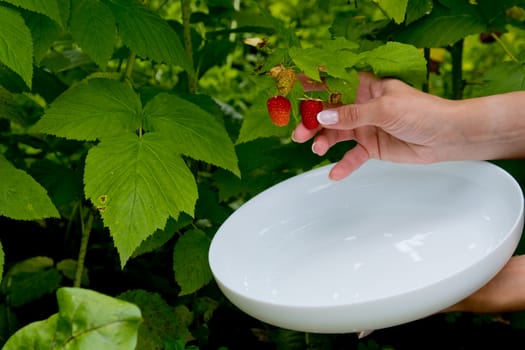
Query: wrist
point(491, 127)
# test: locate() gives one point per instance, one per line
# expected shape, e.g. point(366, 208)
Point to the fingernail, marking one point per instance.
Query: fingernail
point(328, 117)
point(313, 148)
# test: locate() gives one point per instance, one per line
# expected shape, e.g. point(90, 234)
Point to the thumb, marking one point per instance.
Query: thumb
point(351, 116)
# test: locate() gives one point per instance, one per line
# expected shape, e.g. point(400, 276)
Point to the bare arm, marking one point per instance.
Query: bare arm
point(504, 293)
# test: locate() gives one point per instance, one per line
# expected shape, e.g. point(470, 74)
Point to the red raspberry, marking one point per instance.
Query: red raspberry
point(309, 109)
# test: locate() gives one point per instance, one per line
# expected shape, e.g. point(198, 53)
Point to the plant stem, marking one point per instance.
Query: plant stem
point(456, 51)
point(129, 66)
point(86, 230)
point(504, 47)
point(186, 12)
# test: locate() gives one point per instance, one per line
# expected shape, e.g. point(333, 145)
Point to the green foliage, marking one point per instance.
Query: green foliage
point(162, 323)
point(190, 261)
point(136, 184)
point(132, 129)
point(21, 197)
point(14, 33)
point(92, 110)
point(85, 320)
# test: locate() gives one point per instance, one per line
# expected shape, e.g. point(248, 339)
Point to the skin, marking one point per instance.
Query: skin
point(392, 121)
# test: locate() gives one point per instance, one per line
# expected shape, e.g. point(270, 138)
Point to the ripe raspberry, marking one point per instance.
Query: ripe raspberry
point(279, 110)
point(309, 109)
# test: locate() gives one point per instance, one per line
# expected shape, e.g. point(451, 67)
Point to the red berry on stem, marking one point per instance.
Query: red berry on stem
point(279, 108)
point(309, 109)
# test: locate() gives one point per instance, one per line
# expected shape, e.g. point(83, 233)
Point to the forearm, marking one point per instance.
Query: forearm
point(491, 127)
point(504, 293)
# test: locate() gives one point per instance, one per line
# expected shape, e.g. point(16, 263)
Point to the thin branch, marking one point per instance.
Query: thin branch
point(86, 230)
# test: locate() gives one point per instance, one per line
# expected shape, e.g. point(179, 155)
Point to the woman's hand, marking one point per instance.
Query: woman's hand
point(392, 121)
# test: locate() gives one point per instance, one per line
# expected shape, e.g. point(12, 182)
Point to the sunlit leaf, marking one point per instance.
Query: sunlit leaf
point(137, 183)
point(398, 60)
point(195, 132)
point(36, 335)
point(94, 109)
point(86, 320)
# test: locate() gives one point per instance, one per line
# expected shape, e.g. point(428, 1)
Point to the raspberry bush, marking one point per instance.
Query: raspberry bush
point(131, 129)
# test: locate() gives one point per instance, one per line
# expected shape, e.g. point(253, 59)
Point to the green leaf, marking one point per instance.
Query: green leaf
point(91, 320)
point(190, 261)
point(27, 287)
point(63, 184)
point(93, 27)
point(257, 124)
point(137, 183)
point(162, 322)
point(335, 57)
point(333, 61)
point(161, 237)
point(94, 109)
point(504, 77)
point(44, 32)
point(30, 279)
point(16, 44)
point(9, 109)
point(417, 9)
point(86, 320)
point(443, 26)
point(394, 8)
point(68, 267)
point(397, 60)
point(347, 87)
point(36, 335)
point(49, 8)
point(195, 132)
point(21, 197)
point(147, 34)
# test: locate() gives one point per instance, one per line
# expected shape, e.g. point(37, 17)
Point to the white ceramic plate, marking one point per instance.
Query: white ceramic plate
point(390, 244)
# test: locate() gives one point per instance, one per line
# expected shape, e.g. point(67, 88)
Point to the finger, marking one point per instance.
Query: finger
point(302, 134)
point(352, 116)
point(350, 162)
point(327, 138)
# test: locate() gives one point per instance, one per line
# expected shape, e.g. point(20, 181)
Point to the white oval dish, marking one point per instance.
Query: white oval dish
point(390, 244)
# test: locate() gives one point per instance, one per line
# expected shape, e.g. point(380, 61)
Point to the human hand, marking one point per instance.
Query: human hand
point(390, 120)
